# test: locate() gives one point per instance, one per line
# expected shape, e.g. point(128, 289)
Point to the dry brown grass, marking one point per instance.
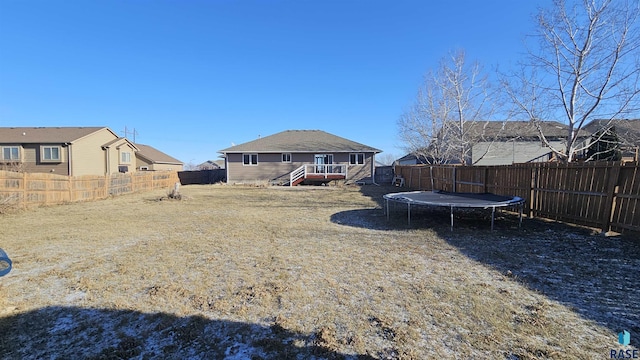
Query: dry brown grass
point(251, 272)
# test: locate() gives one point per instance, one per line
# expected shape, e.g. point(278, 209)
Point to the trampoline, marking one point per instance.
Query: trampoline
point(454, 200)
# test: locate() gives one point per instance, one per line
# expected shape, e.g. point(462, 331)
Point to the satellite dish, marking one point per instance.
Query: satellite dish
point(5, 263)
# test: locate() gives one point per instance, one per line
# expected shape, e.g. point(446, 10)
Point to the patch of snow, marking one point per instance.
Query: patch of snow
point(239, 351)
point(76, 296)
point(63, 324)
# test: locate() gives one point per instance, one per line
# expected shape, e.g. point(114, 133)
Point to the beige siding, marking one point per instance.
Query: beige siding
point(164, 167)
point(142, 162)
point(89, 158)
point(115, 157)
point(506, 153)
point(87, 155)
point(157, 166)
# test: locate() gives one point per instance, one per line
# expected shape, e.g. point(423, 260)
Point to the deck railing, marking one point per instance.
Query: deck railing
point(324, 170)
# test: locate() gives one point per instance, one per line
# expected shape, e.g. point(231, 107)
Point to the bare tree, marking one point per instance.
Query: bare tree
point(386, 159)
point(586, 67)
point(441, 125)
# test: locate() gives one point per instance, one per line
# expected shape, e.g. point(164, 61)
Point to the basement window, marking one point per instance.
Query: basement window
point(250, 159)
point(286, 157)
point(356, 159)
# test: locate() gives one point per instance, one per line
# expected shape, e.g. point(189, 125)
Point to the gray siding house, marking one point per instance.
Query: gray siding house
point(314, 156)
point(510, 142)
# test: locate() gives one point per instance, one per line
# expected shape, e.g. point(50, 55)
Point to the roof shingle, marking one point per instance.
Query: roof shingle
point(155, 156)
point(300, 141)
point(31, 135)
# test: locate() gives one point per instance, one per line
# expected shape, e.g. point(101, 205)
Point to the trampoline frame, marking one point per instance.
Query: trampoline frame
point(405, 197)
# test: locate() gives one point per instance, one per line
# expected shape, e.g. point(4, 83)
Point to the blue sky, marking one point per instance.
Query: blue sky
point(193, 77)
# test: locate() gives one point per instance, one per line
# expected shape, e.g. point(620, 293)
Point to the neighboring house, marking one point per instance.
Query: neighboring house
point(628, 132)
point(152, 159)
point(510, 142)
point(73, 151)
point(411, 159)
point(305, 152)
point(211, 165)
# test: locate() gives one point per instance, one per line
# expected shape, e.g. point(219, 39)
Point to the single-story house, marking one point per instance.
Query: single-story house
point(151, 159)
point(72, 151)
point(300, 156)
point(510, 142)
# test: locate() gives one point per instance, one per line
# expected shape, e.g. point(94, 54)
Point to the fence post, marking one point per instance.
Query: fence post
point(610, 199)
point(533, 204)
point(411, 178)
point(420, 177)
point(107, 181)
point(70, 184)
point(25, 175)
point(485, 175)
point(431, 177)
point(454, 180)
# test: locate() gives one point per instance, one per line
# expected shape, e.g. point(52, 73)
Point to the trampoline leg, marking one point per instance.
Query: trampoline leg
point(451, 218)
point(409, 214)
point(520, 222)
point(493, 213)
point(386, 203)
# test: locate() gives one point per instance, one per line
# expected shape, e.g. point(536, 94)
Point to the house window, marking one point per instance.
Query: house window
point(125, 157)
point(51, 153)
point(250, 159)
point(356, 159)
point(286, 157)
point(11, 153)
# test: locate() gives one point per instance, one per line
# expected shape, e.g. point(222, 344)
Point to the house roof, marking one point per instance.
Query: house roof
point(47, 135)
point(300, 141)
point(155, 156)
point(119, 142)
point(212, 164)
point(628, 130)
point(410, 157)
point(519, 130)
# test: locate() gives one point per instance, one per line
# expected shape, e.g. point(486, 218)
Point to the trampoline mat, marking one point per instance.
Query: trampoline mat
point(443, 198)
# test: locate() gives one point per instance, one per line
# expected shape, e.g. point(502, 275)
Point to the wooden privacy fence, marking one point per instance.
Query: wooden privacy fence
point(24, 189)
point(604, 195)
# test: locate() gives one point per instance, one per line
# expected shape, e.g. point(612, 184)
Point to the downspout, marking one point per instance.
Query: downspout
point(107, 170)
point(226, 166)
point(69, 167)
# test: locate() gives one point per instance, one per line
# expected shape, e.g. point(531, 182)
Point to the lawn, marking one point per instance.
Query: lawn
point(307, 272)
